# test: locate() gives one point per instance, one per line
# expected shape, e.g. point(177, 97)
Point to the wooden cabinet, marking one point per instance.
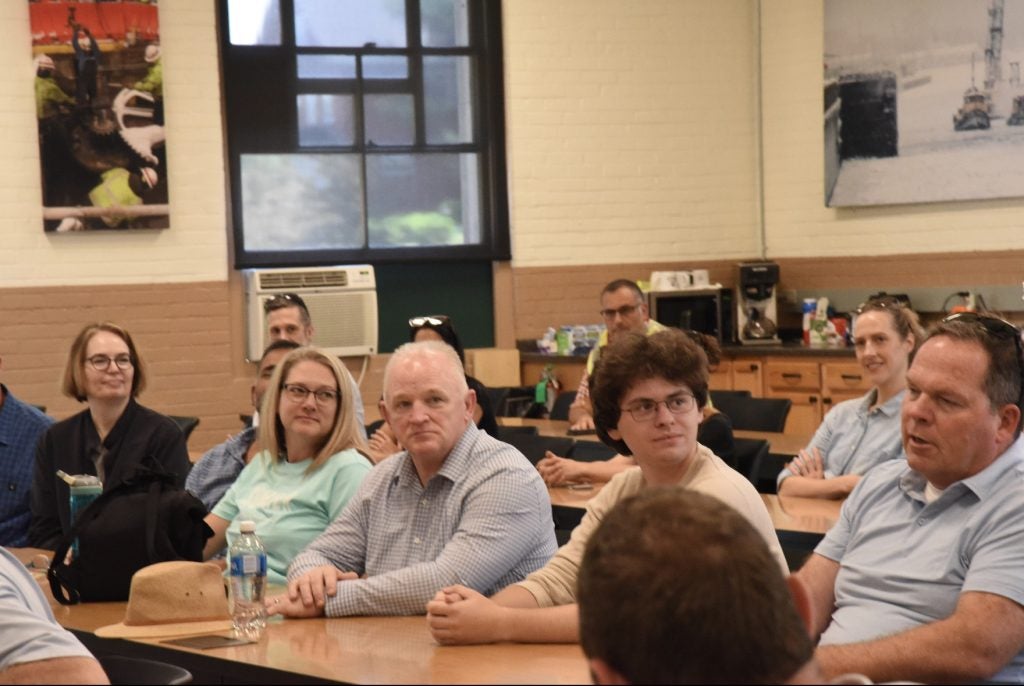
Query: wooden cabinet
point(800, 382)
point(842, 381)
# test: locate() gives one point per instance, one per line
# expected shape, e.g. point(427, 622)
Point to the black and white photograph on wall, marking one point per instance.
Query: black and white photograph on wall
point(923, 101)
point(99, 103)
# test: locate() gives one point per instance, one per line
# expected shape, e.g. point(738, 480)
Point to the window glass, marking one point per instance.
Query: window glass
point(385, 67)
point(327, 66)
point(301, 202)
point(422, 199)
point(254, 22)
point(448, 99)
point(389, 119)
point(325, 120)
point(445, 23)
point(350, 23)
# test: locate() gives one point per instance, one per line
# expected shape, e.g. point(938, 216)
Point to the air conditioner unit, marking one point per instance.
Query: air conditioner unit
point(342, 303)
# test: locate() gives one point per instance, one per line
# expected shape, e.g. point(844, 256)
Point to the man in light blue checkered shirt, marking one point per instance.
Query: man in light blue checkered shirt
point(457, 506)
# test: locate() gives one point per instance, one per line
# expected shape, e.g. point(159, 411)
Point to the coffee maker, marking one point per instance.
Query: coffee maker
point(756, 310)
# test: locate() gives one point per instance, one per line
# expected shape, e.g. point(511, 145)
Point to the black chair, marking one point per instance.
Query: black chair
point(755, 414)
point(765, 470)
point(749, 451)
point(565, 519)
point(137, 670)
point(591, 451)
point(41, 408)
point(373, 426)
point(560, 410)
point(717, 396)
point(186, 424)
point(510, 401)
point(505, 431)
point(534, 445)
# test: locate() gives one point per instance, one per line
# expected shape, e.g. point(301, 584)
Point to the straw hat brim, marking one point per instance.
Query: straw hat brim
point(122, 630)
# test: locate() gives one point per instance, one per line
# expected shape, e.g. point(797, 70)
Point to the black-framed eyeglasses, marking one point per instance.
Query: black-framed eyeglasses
point(429, 320)
point(644, 410)
point(284, 300)
point(882, 302)
point(1000, 329)
point(623, 311)
point(102, 362)
point(298, 393)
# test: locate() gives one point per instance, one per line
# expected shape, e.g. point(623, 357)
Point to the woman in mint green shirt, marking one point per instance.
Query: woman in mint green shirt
point(310, 466)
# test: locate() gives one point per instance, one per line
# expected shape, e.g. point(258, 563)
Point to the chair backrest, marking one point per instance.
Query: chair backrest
point(186, 424)
point(591, 451)
point(560, 410)
point(373, 426)
point(716, 395)
point(510, 401)
point(137, 670)
point(41, 408)
point(765, 471)
point(755, 414)
point(749, 452)
point(534, 445)
point(505, 431)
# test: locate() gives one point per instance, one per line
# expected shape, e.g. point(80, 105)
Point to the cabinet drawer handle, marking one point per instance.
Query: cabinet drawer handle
point(792, 375)
point(753, 367)
point(851, 377)
point(813, 400)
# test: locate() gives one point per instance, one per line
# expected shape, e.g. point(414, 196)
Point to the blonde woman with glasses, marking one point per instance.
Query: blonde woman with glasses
point(312, 462)
point(860, 433)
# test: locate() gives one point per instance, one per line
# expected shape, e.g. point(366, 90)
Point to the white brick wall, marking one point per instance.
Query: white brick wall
point(195, 247)
point(631, 130)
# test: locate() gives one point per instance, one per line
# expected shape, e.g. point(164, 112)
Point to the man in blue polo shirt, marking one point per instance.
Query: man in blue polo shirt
point(922, 577)
point(21, 426)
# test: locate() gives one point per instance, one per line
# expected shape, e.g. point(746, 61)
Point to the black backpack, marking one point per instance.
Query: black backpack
point(144, 520)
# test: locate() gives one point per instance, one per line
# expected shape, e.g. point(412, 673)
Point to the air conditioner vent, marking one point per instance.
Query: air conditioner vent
point(297, 280)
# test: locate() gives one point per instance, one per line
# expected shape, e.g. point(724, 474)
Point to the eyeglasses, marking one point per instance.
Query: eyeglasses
point(644, 410)
point(298, 394)
point(102, 362)
point(882, 302)
point(284, 300)
point(623, 311)
point(431, 319)
point(999, 329)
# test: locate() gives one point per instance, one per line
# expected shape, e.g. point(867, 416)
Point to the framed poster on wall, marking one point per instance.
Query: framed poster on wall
point(100, 111)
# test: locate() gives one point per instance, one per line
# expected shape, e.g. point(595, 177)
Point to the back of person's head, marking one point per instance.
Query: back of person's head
point(670, 354)
point(344, 432)
point(710, 346)
point(677, 587)
point(73, 381)
point(442, 325)
point(279, 344)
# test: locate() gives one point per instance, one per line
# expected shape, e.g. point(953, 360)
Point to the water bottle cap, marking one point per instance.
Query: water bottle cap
point(247, 526)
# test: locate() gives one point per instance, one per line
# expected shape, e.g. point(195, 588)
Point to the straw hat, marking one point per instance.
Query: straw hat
point(173, 599)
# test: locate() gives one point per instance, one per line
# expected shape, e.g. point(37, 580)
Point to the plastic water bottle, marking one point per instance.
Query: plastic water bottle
point(248, 562)
point(84, 489)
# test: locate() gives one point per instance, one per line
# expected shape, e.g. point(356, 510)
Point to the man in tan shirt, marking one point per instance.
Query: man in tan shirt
point(648, 394)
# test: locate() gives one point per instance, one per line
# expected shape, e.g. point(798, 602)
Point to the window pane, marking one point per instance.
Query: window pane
point(327, 66)
point(445, 23)
point(350, 23)
point(301, 202)
point(389, 119)
point(254, 22)
point(422, 200)
point(325, 120)
point(448, 99)
point(385, 67)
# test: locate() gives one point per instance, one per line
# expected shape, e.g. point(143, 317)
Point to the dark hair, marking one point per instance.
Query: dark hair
point(279, 344)
point(283, 300)
point(904, 320)
point(710, 346)
point(634, 357)
point(1002, 382)
point(623, 283)
point(73, 381)
point(445, 330)
point(707, 601)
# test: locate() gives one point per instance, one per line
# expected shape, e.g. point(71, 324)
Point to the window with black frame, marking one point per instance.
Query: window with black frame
point(364, 130)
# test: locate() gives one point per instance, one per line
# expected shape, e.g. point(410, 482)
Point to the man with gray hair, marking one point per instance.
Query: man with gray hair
point(456, 506)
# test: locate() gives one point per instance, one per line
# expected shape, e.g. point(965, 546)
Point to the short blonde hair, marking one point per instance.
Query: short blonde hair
point(73, 381)
point(437, 348)
point(344, 432)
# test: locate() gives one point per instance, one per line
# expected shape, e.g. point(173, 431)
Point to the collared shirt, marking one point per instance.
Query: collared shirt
point(21, 426)
point(583, 391)
point(139, 438)
point(29, 632)
point(218, 468)
point(555, 584)
point(904, 563)
point(484, 520)
point(853, 438)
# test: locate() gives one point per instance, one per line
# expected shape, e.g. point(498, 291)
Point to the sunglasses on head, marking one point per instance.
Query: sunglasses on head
point(429, 320)
point(882, 302)
point(284, 300)
point(999, 329)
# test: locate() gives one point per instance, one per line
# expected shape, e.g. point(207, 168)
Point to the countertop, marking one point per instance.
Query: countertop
point(732, 350)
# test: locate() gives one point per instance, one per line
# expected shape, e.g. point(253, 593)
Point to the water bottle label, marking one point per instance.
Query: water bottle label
point(242, 565)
